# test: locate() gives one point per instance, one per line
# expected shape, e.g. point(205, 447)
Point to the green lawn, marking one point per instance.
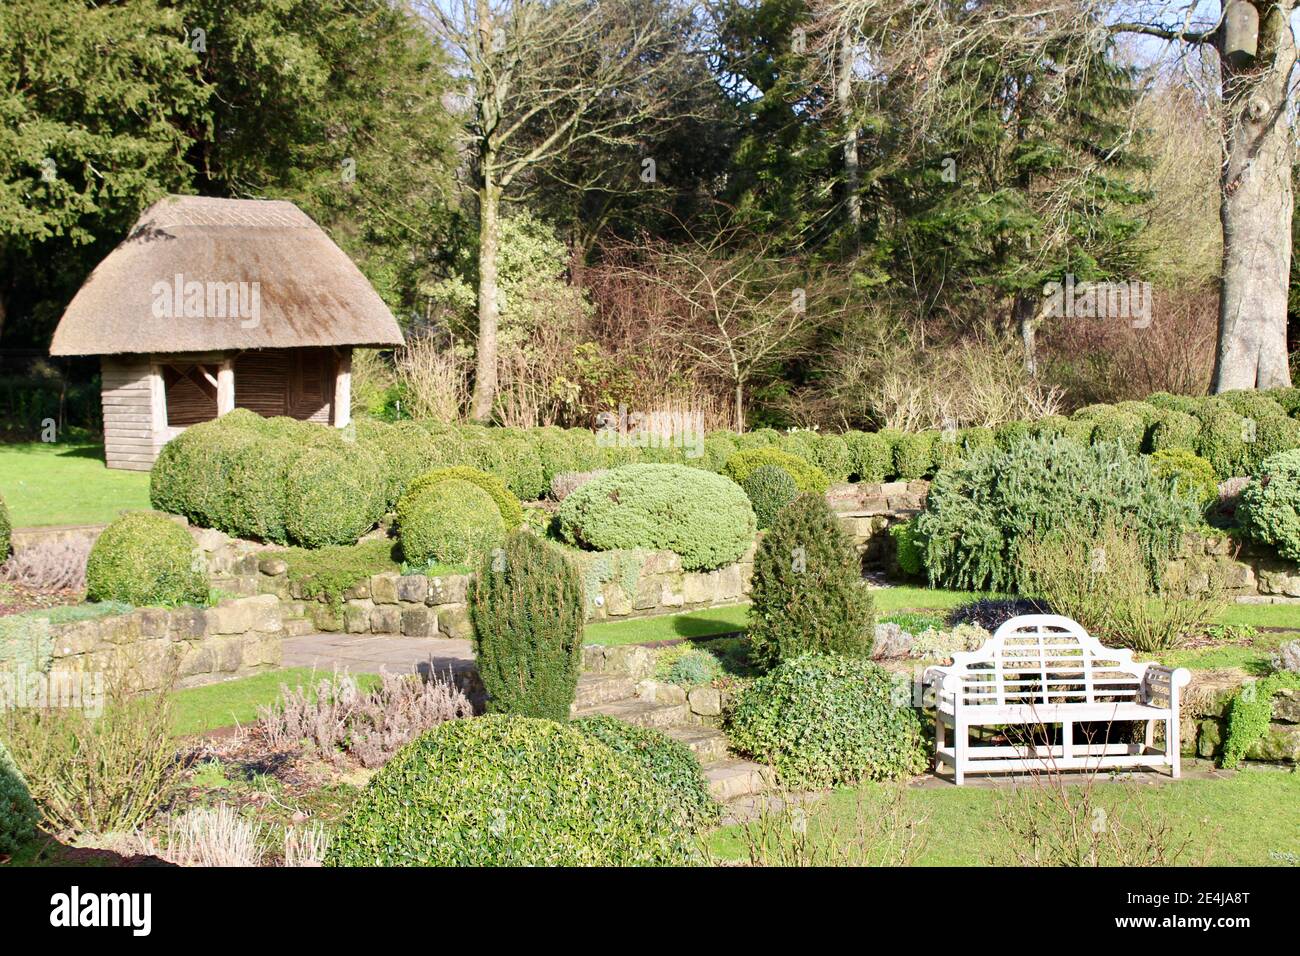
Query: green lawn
point(1239, 820)
point(669, 627)
point(201, 709)
point(60, 483)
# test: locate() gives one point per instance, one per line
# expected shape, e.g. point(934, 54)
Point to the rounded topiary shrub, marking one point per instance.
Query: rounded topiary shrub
point(1269, 436)
point(807, 476)
point(831, 454)
point(6, 530)
point(1120, 426)
point(945, 450)
point(509, 791)
point(145, 559)
point(451, 521)
point(1269, 508)
point(1173, 430)
point(1250, 403)
point(871, 457)
point(703, 517)
point(18, 813)
point(1187, 473)
point(807, 589)
point(825, 720)
point(522, 468)
point(512, 512)
point(668, 762)
point(1222, 439)
point(770, 488)
point(526, 604)
point(405, 450)
point(333, 497)
point(913, 455)
point(976, 438)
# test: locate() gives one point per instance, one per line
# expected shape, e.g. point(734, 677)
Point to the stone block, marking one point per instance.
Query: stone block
point(262, 650)
point(1281, 742)
point(413, 588)
point(730, 582)
point(705, 701)
point(420, 622)
point(1279, 579)
point(386, 619)
point(700, 587)
point(629, 660)
point(383, 588)
point(259, 613)
point(273, 567)
point(454, 621)
point(617, 604)
point(324, 617)
point(358, 592)
point(660, 692)
point(448, 589)
point(647, 593)
point(1286, 706)
point(356, 617)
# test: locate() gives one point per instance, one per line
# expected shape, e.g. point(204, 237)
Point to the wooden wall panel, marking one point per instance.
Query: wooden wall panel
point(129, 439)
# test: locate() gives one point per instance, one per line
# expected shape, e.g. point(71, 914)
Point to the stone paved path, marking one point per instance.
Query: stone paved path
point(365, 654)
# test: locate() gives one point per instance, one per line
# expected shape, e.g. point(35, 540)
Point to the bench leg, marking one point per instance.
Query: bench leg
point(1173, 746)
point(1151, 736)
point(938, 738)
point(960, 736)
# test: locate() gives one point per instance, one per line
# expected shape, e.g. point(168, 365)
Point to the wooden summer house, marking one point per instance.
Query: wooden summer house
point(214, 304)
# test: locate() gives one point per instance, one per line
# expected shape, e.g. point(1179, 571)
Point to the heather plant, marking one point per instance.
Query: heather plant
point(808, 595)
point(1269, 507)
point(337, 717)
point(978, 514)
point(527, 606)
point(49, 564)
point(770, 488)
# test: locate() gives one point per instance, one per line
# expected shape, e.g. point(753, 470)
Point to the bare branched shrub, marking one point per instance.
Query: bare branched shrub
point(433, 378)
point(883, 831)
point(305, 846)
point(337, 717)
point(372, 377)
point(216, 836)
point(54, 564)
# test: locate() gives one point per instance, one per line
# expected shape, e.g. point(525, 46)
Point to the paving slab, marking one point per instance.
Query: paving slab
point(372, 654)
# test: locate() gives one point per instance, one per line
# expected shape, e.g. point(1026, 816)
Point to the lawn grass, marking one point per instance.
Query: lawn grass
point(1237, 820)
point(200, 709)
point(62, 483)
point(669, 627)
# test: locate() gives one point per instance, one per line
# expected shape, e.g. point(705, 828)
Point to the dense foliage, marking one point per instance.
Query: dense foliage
point(807, 593)
point(668, 762)
point(1269, 509)
point(1186, 473)
point(978, 514)
point(18, 814)
point(826, 720)
point(449, 522)
point(807, 477)
point(510, 791)
point(6, 527)
point(770, 488)
point(512, 513)
point(703, 517)
point(527, 606)
point(145, 559)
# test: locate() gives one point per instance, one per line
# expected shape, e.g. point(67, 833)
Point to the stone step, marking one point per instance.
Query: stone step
point(707, 743)
point(596, 689)
point(642, 713)
point(734, 778)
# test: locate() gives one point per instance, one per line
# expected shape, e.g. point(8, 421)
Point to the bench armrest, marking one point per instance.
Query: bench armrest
point(1175, 677)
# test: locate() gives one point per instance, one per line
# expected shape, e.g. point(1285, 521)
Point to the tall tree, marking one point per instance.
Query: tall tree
point(543, 78)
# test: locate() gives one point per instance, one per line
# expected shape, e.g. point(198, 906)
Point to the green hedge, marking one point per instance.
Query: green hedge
point(145, 559)
point(510, 791)
point(770, 488)
point(332, 496)
point(512, 512)
point(824, 720)
point(703, 517)
point(807, 476)
point(450, 522)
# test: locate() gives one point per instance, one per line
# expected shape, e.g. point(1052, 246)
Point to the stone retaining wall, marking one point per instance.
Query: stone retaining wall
point(867, 511)
point(1204, 712)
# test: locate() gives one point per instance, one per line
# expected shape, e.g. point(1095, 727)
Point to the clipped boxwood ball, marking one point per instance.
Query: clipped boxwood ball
point(333, 497)
point(826, 720)
point(770, 488)
point(452, 522)
point(807, 477)
point(512, 512)
point(668, 762)
point(145, 559)
point(703, 517)
point(510, 791)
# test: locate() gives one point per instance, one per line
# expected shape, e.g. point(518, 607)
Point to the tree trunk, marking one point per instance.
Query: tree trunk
point(852, 172)
point(1024, 313)
point(1255, 209)
point(740, 406)
point(489, 308)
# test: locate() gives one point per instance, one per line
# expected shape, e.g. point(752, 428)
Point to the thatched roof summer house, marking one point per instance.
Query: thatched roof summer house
point(214, 304)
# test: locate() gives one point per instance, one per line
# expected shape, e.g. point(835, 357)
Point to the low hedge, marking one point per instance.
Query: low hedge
point(807, 476)
point(451, 521)
point(703, 517)
point(510, 791)
point(512, 512)
point(668, 762)
point(825, 720)
point(145, 559)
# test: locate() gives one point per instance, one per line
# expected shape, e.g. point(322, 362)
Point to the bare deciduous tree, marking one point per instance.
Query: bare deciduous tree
point(543, 78)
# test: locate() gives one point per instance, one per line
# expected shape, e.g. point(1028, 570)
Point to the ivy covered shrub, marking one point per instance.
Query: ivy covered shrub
point(703, 517)
point(18, 813)
point(872, 459)
point(770, 488)
point(826, 720)
point(807, 590)
point(145, 560)
point(807, 477)
point(6, 530)
point(1269, 507)
point(332, 497)
point(512, 512)
point(668, 762)
point(510, 791)
point(1187, 473)
point(978, 513)
point(527, 604)
point(450, 522)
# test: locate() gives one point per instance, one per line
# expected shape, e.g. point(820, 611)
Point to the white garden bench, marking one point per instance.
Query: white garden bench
point(1040, 670)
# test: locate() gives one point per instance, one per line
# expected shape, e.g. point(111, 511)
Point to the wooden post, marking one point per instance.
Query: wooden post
point(343, 389)
point(225, 386)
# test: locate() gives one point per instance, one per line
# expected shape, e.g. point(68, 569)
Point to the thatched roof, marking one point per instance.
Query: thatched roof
point(304, 289)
